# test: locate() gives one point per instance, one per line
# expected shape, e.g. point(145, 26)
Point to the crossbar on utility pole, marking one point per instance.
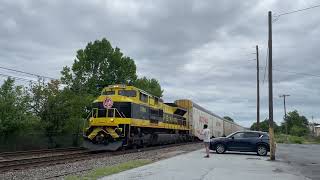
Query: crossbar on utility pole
point(271, 130)
point(258, 90)
point(285, 110)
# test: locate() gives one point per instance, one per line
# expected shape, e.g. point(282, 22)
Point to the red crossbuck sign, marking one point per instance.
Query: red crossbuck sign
point(107, 103)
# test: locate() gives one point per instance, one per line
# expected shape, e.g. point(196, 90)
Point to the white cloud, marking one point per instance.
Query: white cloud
point(199, 50)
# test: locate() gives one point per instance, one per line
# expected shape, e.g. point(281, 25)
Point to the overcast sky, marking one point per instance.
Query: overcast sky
point(200, 50)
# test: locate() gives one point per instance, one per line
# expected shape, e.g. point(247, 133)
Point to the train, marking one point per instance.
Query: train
point(124, 116)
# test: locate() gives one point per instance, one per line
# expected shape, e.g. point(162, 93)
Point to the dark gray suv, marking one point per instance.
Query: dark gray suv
point(243, 141)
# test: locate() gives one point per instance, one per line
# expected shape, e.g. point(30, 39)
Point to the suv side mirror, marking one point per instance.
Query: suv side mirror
point(232, 137)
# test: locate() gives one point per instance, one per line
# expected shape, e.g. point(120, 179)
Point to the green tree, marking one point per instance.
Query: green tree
point(15, 111)
point(99, 64)
point(151, 86)
point(38, 94)
point(264, 126)
point(52, 109)
point(228, 118)
point(297, 125)
point(60, 109)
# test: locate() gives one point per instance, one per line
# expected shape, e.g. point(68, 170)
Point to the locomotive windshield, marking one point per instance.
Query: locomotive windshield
point(106, 92)
point(128, 93)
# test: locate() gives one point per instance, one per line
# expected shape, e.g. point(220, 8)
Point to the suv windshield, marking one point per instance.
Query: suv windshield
point(230, 135)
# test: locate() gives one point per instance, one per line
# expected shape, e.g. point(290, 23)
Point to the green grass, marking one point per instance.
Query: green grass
point(289, 139)
point(313, 140)
point(108, 170)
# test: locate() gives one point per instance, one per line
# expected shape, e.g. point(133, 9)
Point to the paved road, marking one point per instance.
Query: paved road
point(306, 158)
point(294, 162)
point(192, 166)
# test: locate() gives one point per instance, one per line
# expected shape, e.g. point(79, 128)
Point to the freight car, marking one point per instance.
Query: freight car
point(198, 116)
point(125, 116)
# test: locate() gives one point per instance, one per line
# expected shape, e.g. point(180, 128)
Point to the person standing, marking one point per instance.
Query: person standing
point(206, 138)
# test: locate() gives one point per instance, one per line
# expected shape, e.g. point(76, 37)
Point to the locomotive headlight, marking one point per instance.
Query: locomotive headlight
point(111, 120)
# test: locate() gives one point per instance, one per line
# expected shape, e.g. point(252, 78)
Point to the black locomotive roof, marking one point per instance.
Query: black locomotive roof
point(171, 104)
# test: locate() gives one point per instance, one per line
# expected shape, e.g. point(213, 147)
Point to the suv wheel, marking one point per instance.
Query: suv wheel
point(262, 150)
point(220, 148)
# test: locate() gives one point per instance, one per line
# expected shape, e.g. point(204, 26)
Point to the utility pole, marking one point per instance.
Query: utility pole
point(258, 90)
point(271, 130)
point(312, 125)
point(285, 110)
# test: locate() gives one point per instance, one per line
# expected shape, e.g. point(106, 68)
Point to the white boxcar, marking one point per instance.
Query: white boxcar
point(227, 128)
point(197, 116)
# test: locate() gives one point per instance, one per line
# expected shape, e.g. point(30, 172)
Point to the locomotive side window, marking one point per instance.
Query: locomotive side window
point(151, 101)
point(156, 100)
point(170, 118)
point(143, 97)
point(108, 93)
point(128, 93)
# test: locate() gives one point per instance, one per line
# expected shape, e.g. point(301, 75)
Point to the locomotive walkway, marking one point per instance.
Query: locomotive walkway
point(218, 167)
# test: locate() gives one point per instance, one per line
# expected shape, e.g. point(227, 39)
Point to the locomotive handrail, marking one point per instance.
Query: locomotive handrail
point(84, 122)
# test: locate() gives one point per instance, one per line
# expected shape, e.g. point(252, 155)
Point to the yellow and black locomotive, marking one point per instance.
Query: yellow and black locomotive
point(125, 116)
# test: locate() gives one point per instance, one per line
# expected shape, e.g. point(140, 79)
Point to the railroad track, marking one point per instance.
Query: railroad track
point(24, 163)
point(39, 151)
point(17, 164)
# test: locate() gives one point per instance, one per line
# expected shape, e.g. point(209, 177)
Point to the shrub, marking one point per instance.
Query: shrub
point(296, 140)
point(289, 139)
point(281, 138)
point(298, 131)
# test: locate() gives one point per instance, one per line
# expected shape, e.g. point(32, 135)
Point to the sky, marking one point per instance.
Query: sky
point(198, 50)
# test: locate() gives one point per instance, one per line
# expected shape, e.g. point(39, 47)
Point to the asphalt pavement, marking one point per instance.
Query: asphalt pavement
point(193, 166)
point(293, 162)
point(305, 158)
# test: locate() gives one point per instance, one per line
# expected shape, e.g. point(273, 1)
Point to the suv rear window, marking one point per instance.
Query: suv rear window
point(251, 135)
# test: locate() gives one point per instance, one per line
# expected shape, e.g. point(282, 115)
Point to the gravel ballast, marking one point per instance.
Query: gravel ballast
point(82, 167)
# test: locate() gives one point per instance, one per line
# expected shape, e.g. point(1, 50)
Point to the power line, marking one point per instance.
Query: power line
point(17, 78)
point(295, 11)
point(32, 74)
point(298, 73)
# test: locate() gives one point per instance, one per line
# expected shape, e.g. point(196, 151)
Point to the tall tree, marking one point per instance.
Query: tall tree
point(296, 124)
point(15, 114)
point(264, 126)
point(60, 109)
point(151, 86)
point(99, 64)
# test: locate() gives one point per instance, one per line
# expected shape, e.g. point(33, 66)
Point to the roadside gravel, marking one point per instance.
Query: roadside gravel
point(82, 167)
